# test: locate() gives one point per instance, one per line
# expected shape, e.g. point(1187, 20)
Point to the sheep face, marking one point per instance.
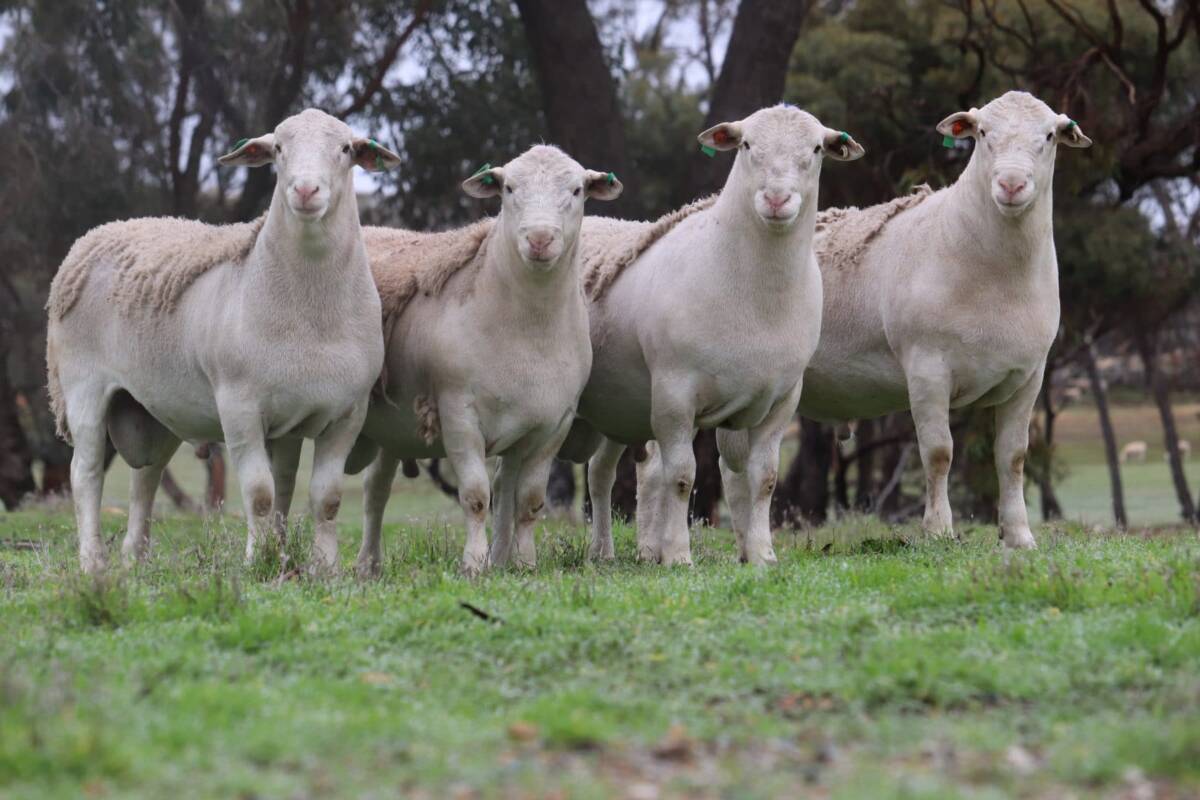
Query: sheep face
point(1016, 137)
point(314, 154)
point(778, 164)
point(542, 194)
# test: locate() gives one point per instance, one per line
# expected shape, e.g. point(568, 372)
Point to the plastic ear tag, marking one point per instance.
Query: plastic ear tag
point(378, 158)
point(947, 141)
point(843, 137)
point(240, 142)
point(708, 151)
point(610, 178)
point(488, 179)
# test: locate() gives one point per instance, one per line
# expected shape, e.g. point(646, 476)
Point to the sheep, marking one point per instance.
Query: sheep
point(1185, 451)
point(259, 334)
point(951, 301)
point(487, 342)
point(706, 318)
point(1134, 451)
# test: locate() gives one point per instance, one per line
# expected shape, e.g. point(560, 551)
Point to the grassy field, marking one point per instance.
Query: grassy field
point(869, 663)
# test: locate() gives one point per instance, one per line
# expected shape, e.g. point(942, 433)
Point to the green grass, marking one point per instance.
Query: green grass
point(870, 663)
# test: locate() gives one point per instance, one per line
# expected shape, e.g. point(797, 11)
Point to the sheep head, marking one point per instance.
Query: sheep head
point(542, 194)
point(314, 154)
point(779, 156)
point(1016, 138)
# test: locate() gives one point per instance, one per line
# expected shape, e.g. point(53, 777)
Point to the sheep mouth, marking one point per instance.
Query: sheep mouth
point(1012, 208)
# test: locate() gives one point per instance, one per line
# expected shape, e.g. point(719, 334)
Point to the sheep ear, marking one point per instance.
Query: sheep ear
point(959, 125)
point(372, 156)
point(841, 145)
point(602, 185)
point(1068, 132)
point(726, 136)
point(251, 152)
point(486, 182)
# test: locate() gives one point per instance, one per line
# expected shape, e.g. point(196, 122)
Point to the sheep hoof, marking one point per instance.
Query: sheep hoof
point(1018, 538)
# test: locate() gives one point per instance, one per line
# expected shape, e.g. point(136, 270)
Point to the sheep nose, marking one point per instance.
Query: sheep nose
point(777, 201)
point(1011, 186)
point(306, 192)
point(539, 240)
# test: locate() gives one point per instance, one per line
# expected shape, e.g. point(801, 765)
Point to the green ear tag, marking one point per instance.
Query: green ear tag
point(947, 141)
point(240, 142)
point(610, 178)
point(843, 138)
point(708, 151)
point(378, 158)
point(1070, 124)
point(488, 179)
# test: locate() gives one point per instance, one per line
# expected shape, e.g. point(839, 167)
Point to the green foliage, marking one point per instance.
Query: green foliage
point(868, 661)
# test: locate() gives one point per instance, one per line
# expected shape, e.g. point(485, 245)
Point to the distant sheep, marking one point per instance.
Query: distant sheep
point(1185, 451)
point(1134, 451)
point(951, 302)
point(258, 334)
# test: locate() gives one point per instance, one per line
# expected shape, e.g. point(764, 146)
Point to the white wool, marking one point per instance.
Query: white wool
point(843, 234)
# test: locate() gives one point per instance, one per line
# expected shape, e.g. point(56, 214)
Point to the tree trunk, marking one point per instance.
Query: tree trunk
point(802, 497)
point(560, 491)
point(706, 493)
point(864, 462)
point(1100, 392)
point(16, 457)
point(579, 96)
point(1147, 341)
point(752, 76)
point(1051, 508)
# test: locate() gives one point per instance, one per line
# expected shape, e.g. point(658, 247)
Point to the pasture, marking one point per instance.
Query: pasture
point(870, 662)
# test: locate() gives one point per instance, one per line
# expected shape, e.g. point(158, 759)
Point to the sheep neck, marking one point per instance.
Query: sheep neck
point(311, 264)
point(521, 294)
point(980, 235)
point(779, 256)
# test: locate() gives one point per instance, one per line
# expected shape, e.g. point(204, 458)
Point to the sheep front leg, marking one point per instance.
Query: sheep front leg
point(673, 421)
point(601, 475)
point(242, 426)
point(285, 463)
point(85, 418)
point(377, 488)
point(1012, 442)
point(467, 453)
point(762, 472)
point(929, 395)
point(330, 450)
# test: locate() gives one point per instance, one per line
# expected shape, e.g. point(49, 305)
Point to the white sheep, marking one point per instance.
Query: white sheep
point(950, 301)
point(487, 350)
point(1134, 451)
point(706, 318)
point(259, 334)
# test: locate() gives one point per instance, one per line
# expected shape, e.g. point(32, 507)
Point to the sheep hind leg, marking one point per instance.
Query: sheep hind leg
point(601, 475)
point(285, 463)
point(85, 418)
point(648, 470)
point(505, 510)
point(147, 446)
point(734, 447)
point(241, 424)
point(330, 451)
point(467, 453)
point(762, 471)
point(1012, 441)
point(377, 489)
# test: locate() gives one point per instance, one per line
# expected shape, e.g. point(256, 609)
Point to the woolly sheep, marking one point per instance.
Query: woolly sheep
point(1134, 451)
point(487, 351)
point(707, 319)
point(259, 335)
point(953, 302)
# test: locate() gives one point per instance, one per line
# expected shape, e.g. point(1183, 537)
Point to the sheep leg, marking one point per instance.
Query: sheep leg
point(285, 463)
point(929, 396)
point(377, 488)
point(241, 424)
point(1012, 441)
point(762, 471)
point(85, 418)
point(673, 421)
point(734, 447)
point(531, 498)
point(502, 517)
point(649, 496)
point(330, 450)
point(142, 489)
point(601, 475)
point(467, 453)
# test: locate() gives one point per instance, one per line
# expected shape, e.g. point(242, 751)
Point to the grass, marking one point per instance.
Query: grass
point(870, 663)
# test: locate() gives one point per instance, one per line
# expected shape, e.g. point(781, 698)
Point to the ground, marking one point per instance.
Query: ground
point(870, 663)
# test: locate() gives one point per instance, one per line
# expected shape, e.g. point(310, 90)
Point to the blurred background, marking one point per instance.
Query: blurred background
point(117, 109)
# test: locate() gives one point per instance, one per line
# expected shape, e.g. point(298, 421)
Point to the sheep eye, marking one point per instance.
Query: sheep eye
point(508, 189)
point(817, 149)
point(346, 148)
point(576, 192)
point(1049, 136)
point(982, 132)
point(745, 145)
point(279, 148)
